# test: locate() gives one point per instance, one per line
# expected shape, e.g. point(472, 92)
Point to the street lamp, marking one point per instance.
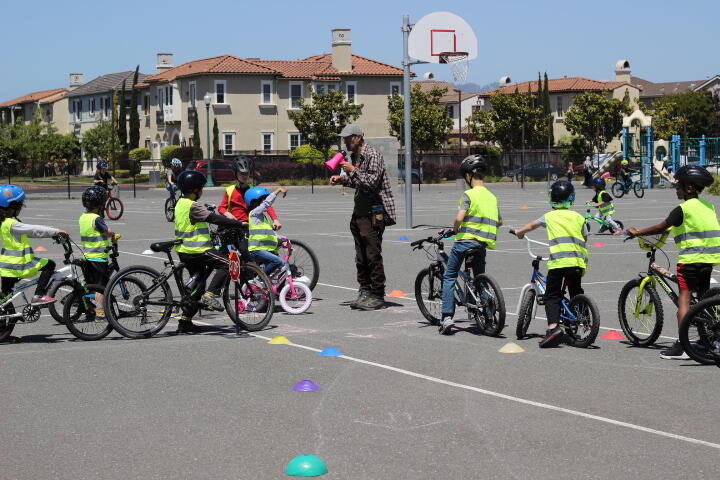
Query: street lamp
point(208, 99)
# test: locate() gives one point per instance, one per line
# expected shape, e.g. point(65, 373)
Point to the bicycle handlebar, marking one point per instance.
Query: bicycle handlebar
point(529, 241)
point(442, 234)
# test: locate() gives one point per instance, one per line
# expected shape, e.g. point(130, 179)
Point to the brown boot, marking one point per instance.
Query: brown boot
point(361, 295)
point(373, 301)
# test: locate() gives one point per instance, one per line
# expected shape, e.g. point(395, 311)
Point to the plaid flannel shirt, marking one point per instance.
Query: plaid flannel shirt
point(370, 176)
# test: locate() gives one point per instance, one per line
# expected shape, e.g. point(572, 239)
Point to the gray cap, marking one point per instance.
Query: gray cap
point(353, 129)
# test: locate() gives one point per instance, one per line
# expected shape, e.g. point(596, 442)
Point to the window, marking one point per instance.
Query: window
point(267, 141)
point(295, 140)
point(168, 95)
point(395, 88)
point(193, 94)
point(266, 92)
point(161, 97)
point(559, 106)
point(450, 110)
point(220, 91)
point(296, 93)
point(351, 91)
point(229, 142)
point(146, 104)
point(92, 105)
point(325, 87)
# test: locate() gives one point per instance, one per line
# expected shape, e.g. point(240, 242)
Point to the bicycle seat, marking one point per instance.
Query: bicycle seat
point(472, 251)
point(164, 246)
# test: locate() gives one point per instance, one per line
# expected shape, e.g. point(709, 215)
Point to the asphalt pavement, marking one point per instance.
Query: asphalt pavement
point(402, 403)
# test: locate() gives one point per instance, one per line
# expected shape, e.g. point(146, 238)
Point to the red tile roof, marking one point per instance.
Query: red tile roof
point(33, 97)
point(221, 64)
point(360, 66)
point(450, 96)
point(556, 85)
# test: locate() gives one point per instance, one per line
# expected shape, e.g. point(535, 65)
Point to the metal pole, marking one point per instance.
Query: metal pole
point(209, 147)
point(522, 159)
point(408, 130)
point(460, 121)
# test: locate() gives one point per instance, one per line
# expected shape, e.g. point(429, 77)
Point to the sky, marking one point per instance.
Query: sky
point(44, 41)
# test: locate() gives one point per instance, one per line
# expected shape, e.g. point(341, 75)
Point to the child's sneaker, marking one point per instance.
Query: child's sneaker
point(446, 324)
point(211, 301)
point(38, 300)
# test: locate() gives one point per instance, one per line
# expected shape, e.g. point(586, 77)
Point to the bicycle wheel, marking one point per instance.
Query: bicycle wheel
point(114, 208)
point(250, 302)
point(638, 189)
point(80, 313)
point(137, 303)
point(711, 292)
point(428, 295)
point(583, 332)
point(170, 209)
point(490, 314)
point(617, 189)
point(303, 262)
point(642, 329)
point(700, 332)
point(6, 325)
point(297, 302)
point(525, 314)
point(60, 291)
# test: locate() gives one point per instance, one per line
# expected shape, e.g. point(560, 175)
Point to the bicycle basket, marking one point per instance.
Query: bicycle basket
point(648, 242)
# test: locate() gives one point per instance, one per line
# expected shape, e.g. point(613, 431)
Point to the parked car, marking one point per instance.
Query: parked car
point(221, 170)
point(538, 170)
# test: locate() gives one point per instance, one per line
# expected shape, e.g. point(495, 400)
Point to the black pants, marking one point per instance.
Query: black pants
point(553, 293)
point(46, 274)
point(368, 254)
point(204, 265)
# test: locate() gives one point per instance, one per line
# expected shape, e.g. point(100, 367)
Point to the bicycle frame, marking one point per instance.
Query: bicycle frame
point(654, 276)
point(460, 292)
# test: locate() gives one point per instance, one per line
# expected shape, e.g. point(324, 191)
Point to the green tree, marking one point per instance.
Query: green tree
point(216, 140)
point(596, 119)
point(134, 116)
point(321, 121)
point(690, 114)
point(197, 149)
point(122, 116)
point(429, 120)
point(309, 154)
point(99, 141)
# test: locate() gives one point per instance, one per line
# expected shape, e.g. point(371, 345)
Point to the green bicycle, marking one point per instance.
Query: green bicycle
point(603, 224)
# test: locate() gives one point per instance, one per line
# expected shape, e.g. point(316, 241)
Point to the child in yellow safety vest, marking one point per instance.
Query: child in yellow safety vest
point(567, 235)
point(263, 241)
point(695, 228)
point(604, 203)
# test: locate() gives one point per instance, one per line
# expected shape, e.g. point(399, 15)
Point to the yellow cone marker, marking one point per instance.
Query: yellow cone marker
point(279, 340)
point(511, 348)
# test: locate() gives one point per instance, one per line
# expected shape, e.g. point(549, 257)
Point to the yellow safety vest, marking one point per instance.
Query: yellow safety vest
point(698, 238)
point(94, 243)
point(567, 243)
point(481, 219)
point(195, 237)
point(605, 208)
point(262, 237)
point(17, 259)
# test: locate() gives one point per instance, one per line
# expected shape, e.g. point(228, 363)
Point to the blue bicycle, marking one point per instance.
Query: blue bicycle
point(579, 315)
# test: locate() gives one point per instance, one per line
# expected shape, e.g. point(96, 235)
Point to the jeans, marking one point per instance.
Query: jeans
point(269, 261)
point(455, 261)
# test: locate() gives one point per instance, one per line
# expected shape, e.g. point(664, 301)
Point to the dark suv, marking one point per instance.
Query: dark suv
point(536, 170)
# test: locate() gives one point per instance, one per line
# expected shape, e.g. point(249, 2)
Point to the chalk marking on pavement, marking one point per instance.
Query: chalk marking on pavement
point(511, 398)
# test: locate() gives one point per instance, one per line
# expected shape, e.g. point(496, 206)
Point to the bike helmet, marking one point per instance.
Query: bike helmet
point(102, 165)
point(94, 196)
point(562, 194)
point(694, 175)
point(242, 164)
point(191, 180)
point(472, 164)
point(176, 162)
point(624, 162)
point(599, 183)
point(255, 193)
point(11, 196)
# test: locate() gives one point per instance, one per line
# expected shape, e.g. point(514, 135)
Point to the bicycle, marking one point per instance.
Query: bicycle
point(143, 311)
point(170, 203)
point(621, 187)
point(579, 315)
point(700, 331)
point(113, 206)
point(604, 225)
point(640, 308)
point(480, 295)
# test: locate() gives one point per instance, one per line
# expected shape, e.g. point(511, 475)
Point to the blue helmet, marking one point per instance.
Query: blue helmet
point(176, 162)
point(255, 193)
point(599, 183)
point(10, 194)
point(102, 165)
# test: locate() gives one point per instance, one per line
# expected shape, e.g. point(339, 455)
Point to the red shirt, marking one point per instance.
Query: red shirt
point(237, 205)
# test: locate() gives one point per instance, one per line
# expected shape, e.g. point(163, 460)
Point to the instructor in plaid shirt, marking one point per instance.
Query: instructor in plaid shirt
point(374, 210)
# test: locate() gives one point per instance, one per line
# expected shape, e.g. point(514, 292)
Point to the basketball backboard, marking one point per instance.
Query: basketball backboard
point(440, 32)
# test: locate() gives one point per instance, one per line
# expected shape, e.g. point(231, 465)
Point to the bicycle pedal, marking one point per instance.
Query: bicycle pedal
point(540, 299)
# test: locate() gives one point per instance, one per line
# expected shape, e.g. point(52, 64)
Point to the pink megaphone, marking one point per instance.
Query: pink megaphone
point(336, 160)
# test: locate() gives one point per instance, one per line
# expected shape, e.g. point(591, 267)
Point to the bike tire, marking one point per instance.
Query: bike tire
point(60, 291)
point(428, 295)
point(525, 314)
point(170, 209)
point(250, 302)
point(303, 262)
point(6, 326)
point(492, 320)
point(79, 313)
point(114, 208)
point(700, 332)
point(585, 309)
point(122, 294)
point(617, 189)
point(645, 330)
point(300, 303)
point(710, 292)
point(638, 189)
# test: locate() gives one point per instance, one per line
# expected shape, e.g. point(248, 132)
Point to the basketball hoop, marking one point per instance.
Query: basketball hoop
point(458, 62)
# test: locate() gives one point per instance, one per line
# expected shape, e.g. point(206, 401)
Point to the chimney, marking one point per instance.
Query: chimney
point(622, 71)
point(76, 79)
point(164, 62)
point(342, 50)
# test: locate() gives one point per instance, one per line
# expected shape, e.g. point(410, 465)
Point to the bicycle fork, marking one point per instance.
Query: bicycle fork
point(639, 308)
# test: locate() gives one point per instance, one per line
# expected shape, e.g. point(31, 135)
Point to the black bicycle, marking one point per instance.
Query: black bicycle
point(700, 331)
point(170, 203)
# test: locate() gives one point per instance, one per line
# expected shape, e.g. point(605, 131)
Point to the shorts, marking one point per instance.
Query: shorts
point(96, 273)
point(694, 276)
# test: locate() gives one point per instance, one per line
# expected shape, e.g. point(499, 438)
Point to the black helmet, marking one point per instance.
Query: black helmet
point(472, 164)
point(242, 164)
point(562, 194)
point(191, 180)
point(94, 197)
point(694, 175)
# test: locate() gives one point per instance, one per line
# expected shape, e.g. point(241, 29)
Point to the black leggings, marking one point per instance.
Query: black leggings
point(46, 274)
point(204, 264)
point(553, 290)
